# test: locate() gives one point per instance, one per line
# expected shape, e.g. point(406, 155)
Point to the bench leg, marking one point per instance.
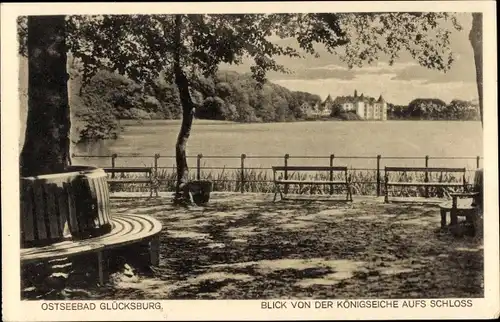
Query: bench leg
point(453, 217)
point(102, 267)
point(153, 188)
point(349, 192)
point(276, 194)
point(386, 186)
point(154, 251)
point(443, 218)
point(276, 191)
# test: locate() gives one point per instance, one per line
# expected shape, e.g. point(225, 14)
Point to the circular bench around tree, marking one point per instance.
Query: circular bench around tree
point(68, 214)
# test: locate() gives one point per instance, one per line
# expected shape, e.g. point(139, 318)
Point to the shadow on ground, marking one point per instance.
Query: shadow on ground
point(247, 247)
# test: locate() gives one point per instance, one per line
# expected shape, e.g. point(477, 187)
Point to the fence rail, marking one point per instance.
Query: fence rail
point(285, 159)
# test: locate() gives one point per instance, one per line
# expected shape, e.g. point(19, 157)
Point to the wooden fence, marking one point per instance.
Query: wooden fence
point(285, 159)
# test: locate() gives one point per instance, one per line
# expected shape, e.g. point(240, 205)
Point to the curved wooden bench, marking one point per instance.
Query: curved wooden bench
point(126, 229)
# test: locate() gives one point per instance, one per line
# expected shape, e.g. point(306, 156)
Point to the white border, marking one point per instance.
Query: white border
point(15, 310)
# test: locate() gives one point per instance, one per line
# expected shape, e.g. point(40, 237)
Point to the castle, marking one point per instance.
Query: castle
point(367, 108)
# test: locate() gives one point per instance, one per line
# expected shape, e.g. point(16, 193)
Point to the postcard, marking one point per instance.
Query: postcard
point(249, 160)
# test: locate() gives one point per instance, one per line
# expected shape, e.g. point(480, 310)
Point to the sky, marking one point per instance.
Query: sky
point(398, 84)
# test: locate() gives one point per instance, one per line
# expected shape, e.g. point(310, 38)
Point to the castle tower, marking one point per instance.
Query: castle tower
point(355, 93)
point(383, 108)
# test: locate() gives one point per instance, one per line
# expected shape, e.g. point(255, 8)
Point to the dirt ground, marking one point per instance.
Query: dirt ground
point(244, 246)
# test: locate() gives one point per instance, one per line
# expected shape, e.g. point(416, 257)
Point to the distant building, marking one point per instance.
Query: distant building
point(317, 110)
point(366, 107)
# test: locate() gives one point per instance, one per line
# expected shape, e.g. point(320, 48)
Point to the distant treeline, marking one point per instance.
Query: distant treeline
point(433, 109)
point(108, 97)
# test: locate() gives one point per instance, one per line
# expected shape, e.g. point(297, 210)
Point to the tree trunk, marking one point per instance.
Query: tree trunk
point(476, 40)
point(47, 141)
point(182, 188)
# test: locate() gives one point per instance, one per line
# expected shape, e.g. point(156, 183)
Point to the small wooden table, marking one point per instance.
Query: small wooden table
point(463, 207)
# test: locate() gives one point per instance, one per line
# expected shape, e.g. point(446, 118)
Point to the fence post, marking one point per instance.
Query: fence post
point(378, 174)
point(478, 158)
point(157, 156)
point(426, 176)
point(242, 188)
point(332, 156)
point(287, 156)
point(198, 166)
point(113, 158)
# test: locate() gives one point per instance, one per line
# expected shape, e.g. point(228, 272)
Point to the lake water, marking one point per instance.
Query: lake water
point(304, 141)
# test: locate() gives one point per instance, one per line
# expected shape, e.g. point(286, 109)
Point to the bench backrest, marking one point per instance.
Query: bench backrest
point(128, 169)
point(417, 169)
point(309, 168)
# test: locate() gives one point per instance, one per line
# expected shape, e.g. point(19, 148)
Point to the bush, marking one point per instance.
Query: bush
point(349, 116)
point(138, 114)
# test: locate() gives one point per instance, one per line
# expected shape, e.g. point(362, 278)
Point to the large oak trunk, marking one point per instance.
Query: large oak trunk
point(476, 40)
point(47, 142)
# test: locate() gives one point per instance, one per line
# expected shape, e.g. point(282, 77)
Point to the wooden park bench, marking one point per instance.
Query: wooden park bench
point(149, 179)
point(426, 183)
point(283, 180)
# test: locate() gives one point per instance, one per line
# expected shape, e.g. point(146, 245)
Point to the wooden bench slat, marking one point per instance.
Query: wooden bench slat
point(309, 168)
point(51, 212)
point(460, 205)
point(40, 204)
point(128, 169)
point(28, 227)
point(70, 193)
point(417, 169)
point(129, 180)
point(308, 182)
point(426, 184)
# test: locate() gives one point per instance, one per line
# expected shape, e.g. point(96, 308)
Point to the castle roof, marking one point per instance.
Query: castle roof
point(354, 99)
